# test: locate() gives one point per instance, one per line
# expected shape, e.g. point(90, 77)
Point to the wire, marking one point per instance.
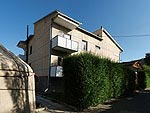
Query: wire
point(132, 36)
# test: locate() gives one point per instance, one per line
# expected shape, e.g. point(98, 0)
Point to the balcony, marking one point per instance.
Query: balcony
point(63, 44)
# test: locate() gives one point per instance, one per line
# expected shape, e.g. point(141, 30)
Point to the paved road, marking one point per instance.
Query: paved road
point(140, 103)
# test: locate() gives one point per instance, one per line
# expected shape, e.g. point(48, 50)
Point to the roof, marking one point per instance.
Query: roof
point(26, 41)
point(89, 33)
point(10, 62)
point(30, 37)
point(116, 43)
point(130, 63)
point(55, 13)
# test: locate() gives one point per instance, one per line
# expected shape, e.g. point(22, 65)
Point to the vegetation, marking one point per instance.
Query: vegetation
point(147, 74)
point(90, 80)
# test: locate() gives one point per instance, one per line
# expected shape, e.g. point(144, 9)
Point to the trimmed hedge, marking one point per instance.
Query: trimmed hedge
point(90, 80)
point(129, 79)
point(147, 74)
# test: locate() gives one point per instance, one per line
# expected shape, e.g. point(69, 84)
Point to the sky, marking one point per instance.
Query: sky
point(128, 21)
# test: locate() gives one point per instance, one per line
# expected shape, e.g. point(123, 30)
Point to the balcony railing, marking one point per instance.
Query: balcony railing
point(64, 44)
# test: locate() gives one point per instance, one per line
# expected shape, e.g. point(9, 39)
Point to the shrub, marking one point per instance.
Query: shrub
point(90, 80)
point(129, 81)
point(147, 60)
point(141, 80)
point(147, 74)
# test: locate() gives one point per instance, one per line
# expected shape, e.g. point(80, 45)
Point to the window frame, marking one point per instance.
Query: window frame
point(84, 45)
point(97, 49)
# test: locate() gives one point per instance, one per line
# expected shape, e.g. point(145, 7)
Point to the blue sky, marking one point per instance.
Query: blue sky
point(118, 17)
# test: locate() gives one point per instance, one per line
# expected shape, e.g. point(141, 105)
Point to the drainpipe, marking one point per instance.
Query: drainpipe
point(50, 52)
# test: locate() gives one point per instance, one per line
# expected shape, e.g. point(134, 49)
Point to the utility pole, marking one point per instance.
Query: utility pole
point(27, 51)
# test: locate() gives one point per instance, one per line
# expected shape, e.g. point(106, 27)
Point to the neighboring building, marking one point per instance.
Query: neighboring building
point(134, 63)
point(57, 35)
point(23, 57)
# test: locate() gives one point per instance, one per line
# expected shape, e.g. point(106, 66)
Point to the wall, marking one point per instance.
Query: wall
point(108, 48)
point(39, 59)
point(78, 36)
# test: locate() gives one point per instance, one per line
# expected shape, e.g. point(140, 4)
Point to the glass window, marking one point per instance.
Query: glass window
point(97, 48)
point(67, 36)
point(60, 33)
point(84, 45)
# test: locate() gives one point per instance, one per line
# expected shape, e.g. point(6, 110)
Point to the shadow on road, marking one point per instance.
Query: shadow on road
point(140, 103)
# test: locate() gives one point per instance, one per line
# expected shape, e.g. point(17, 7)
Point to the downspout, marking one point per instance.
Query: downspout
point(49, 56)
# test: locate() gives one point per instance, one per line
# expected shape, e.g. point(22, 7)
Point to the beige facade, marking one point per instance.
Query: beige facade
point(109, 47)
point(57, 35)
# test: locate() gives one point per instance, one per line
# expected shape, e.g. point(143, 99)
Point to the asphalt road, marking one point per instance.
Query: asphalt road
point(139, 103)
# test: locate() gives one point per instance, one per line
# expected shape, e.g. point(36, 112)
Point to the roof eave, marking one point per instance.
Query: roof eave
point(89, 33)
point(55, 13)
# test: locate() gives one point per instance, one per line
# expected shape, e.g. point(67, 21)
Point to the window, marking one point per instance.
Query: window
point(67, 36)
point(60, 33)
point(59, 61)
point(84, 45)
point(30, 52)
point(97, 48)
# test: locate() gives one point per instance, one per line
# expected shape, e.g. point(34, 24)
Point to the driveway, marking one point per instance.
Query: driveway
point(140, 103)
point(51, 106)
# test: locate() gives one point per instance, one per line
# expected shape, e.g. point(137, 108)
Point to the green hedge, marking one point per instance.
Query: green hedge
point(90, 80)
point(147, 74)
point(129, 80)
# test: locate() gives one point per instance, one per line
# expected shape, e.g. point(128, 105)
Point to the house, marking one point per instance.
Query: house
point(17, 87)
point(57, 35)
point(141, 62)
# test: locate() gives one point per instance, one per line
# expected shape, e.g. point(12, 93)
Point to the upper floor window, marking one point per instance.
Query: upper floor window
point(84, 45)
point(97, 47)
point(67, 36)
point(62, 34)
point(30, 52)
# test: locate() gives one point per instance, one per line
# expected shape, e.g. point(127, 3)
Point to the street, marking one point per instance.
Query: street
point(139, 103)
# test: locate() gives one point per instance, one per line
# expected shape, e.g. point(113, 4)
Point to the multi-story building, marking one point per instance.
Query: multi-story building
point(57, 35)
